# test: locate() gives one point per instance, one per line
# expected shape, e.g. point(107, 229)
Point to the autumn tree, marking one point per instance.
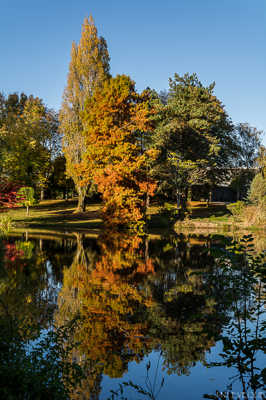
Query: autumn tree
point(115, 121)
point(88, 69)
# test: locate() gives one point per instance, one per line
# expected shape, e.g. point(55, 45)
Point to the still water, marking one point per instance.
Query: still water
point(131, 317)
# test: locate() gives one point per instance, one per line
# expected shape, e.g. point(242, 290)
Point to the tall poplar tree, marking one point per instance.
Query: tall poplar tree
point(88, 69)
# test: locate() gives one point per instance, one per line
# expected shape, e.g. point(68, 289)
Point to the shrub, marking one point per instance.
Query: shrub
point(255, 214)
point(6, 224)
point(236, 209)
point(257, 191)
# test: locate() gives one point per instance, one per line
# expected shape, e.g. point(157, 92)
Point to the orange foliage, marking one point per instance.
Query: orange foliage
point(111, 296)
point(115, 118)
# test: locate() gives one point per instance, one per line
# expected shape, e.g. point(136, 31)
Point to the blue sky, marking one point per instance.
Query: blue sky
point(221, 40)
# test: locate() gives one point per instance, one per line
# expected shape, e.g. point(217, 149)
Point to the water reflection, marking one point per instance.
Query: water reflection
point(244, 335)
point(133, 295)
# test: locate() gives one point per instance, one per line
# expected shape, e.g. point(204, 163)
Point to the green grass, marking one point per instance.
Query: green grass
point(205, 211)
point(57, 214)
point(197, 211)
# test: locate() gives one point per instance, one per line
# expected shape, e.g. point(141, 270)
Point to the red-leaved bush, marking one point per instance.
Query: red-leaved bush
point(8, 194)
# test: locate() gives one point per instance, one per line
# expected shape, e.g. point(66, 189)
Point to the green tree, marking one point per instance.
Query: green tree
point(27, 199)
point(88, 69)
point(261, 160)
point(192, 132)
point(59, 184)
point(244, 164)
point(29, 140)
point(257, 193)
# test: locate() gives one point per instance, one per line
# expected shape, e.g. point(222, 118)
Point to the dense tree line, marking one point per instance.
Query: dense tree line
point(124, 145)
point(133, 146)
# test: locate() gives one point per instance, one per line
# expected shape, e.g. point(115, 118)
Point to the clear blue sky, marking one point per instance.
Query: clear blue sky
point(221, 40)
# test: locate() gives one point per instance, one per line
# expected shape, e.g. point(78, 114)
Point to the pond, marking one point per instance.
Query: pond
point(120, 316)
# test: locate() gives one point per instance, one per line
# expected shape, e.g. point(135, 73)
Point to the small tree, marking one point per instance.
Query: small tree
point(26, 197)
point(257, 192)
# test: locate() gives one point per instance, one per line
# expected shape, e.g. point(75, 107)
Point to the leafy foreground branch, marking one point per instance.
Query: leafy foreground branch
point(39, 370)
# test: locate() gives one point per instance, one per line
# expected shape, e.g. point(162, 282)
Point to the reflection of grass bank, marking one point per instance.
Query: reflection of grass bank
point(57, 214)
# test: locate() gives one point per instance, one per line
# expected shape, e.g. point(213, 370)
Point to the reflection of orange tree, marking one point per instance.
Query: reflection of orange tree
point(110, 297)
point(126, 308)
point(114, 298)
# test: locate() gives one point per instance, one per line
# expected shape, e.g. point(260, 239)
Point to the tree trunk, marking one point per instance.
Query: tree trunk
point(147, 205)
point(209, 197)
point(42, 195)
point(27, 210)
point(80, 257)
point(177, 199)
point(238, 193)
point(183, 202)
point(81, 200)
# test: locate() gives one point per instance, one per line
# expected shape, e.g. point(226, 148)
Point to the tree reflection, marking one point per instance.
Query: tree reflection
point(185, 319)
point(31, 355)
point(108, 293)
point(244, 336)
point(130, 295)
point(134, 295)
point(23, 281)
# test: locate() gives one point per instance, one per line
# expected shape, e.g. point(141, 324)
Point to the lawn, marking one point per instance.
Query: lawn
point(57, 214)
point(198, 213)
point(60, 215)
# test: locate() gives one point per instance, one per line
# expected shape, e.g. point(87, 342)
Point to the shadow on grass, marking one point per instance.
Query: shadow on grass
point(82, 220)
point(160, 218)
point(213, 210)
point(50, 205)
point(60, 214)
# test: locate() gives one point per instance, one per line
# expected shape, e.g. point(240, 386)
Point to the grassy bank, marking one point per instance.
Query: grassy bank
point(57, 215)
point(202, 216)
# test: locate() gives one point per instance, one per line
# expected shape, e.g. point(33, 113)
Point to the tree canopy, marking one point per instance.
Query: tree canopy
point(115, 159)
point(193, 135)
point(29, 140)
